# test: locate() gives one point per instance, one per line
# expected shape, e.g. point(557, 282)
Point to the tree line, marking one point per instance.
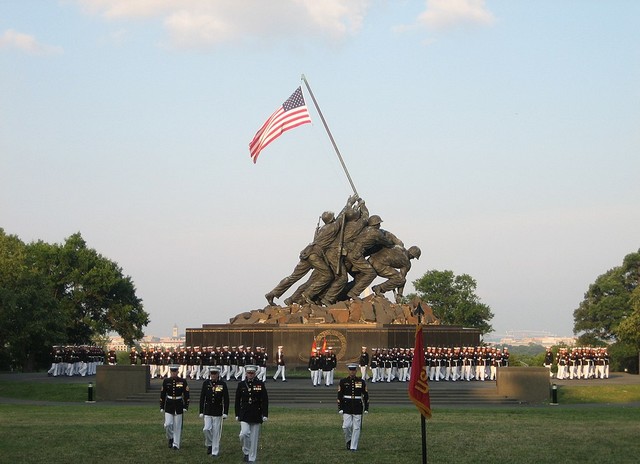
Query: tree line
point(60, 294)
point(69, 294)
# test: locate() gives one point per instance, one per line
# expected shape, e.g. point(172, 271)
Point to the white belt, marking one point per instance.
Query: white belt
point(352, 397)
point(174, 397)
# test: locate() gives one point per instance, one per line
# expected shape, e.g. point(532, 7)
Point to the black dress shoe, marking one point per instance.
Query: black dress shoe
point(170, 442)
point(209, 448)
point(246, 458)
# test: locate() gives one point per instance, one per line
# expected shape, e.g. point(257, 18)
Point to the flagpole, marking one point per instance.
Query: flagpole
point(423, 423)
point(326, 127)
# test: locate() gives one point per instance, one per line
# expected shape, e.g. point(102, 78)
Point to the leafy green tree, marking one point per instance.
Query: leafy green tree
point(629, 328)
point(60, 294)
point(453, 299)
point(28, 317)
point(629, 332)
point(607, 303)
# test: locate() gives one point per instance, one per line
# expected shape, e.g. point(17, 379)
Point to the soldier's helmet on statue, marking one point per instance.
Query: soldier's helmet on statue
point(374, 220)
point(414, 252)
point(327, 217)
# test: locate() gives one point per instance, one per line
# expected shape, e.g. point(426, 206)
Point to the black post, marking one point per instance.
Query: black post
point(554, 394)
point(90, 393)
point(423, 423)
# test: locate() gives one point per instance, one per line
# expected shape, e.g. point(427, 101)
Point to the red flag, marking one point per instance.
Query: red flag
point(418, 385)
point(291, 114)
point(324, 345)
point(313, 346)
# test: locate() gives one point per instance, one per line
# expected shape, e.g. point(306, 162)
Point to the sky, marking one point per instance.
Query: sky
point(501, 137)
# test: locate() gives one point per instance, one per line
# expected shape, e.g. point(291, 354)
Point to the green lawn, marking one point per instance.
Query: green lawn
point(122, 434)
point(87, 433)
point(599, 394)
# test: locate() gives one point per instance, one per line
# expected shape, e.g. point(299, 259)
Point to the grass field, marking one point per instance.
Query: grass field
point(134, 434)
point(97, 433)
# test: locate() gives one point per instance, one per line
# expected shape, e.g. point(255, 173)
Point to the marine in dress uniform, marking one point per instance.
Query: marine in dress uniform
point(280, 363)
point(214, 408)
point(133, 356)
point(174, 401)
point(364, 362)
point(548, 361)
point(252, 409)
point(314, 368)
point(353, 401)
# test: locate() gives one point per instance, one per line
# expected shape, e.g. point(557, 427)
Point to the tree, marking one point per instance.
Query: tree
point(453, 299)
point(60, 294)
point(629, 328)
point(28, 321)
point(610, 313)
point(607, 302)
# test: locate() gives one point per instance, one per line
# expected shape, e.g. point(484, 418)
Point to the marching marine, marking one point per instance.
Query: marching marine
point(174, 401)
point(353, 401)
point(214, 408)
point(252, 409)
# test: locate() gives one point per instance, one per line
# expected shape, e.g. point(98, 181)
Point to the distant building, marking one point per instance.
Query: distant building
point(118, 344)
point(149, 341)
point(529, 337)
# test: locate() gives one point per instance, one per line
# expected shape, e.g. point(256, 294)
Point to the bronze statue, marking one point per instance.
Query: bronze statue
point(312, 257)
point(356, 221)
point(393, 264)
point(351, 244)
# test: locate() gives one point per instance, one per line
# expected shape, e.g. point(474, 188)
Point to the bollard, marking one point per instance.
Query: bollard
point(90, 393)
point(554, 394)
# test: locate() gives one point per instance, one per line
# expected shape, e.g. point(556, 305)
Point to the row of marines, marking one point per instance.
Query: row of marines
point(449, 364)
point(194, 362)
point(251, 408)
point(79, 360)
point(579, 363)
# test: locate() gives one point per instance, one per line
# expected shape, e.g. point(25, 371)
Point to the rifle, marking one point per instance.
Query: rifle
point(341, 244)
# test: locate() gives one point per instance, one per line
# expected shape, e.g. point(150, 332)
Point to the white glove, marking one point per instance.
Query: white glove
point(224, 416)
point(185, 410)
point(237, 418)
point(265, 419)
point(161, 410)
point(366, 412)
point(341, 412)
point(201, 416)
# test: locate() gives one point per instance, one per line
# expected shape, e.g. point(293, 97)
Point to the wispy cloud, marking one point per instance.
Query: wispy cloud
point(12, 39)
point(198, 24)
point(445, 14)
point(441, 15)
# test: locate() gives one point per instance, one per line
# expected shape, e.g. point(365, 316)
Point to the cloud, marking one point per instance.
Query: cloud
point(11, 39)
point(199, 24)
point(446, 14)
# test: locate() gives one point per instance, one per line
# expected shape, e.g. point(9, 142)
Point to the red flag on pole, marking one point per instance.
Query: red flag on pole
point(324, 345)
point(418, 385)
point(313, 346)
point(291, 114)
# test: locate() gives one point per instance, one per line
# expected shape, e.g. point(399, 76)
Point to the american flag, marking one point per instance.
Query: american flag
point(291, 114)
